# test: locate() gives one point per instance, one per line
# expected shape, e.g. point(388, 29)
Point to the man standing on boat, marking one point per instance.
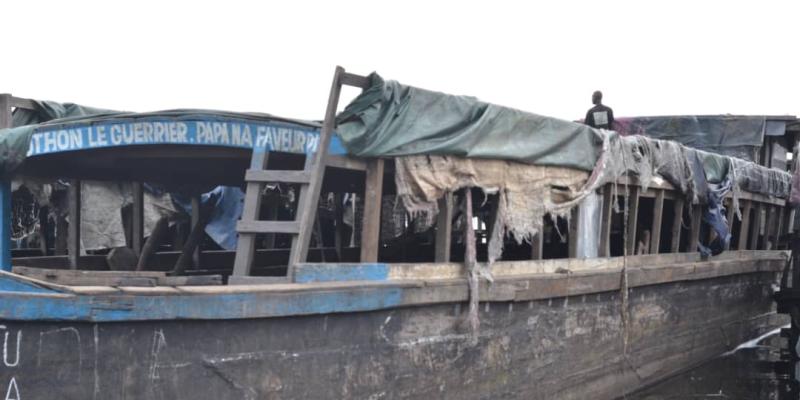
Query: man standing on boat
point(599, 116)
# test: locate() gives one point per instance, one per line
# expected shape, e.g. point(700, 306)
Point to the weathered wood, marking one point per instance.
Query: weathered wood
point(744, 227)
point(730, 215)
point(655, 229)
point(755, 229)
point(779, 226)
point(44, 226)
point(338, 237)
point(74, 237)
point(5, 110)
point(153, 241)
point(254, 175)
point(470, 252)
point(604, 249)
point(371, 227)
point(315, 165)
point(633, 216)
point(344, 162)
point(537, 245)
point(677, 224)
point(246, 243)
point(355, 80)
point(444, 228)
point(694, 232)
point(137, 239)
point(290, 227)
point(62, 229)
point(572, 245)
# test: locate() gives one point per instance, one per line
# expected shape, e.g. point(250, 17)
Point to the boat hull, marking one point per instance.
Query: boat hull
point(573, 347)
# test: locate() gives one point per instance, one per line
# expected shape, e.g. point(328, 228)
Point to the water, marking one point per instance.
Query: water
point(758, 370)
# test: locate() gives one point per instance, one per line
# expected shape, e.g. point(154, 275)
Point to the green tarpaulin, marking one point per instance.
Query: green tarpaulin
point(390, 119)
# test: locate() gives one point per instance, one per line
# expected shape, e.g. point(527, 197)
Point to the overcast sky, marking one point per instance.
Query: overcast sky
point(649, 58)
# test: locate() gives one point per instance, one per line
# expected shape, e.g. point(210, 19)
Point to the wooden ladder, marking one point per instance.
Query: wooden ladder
point(310, 181)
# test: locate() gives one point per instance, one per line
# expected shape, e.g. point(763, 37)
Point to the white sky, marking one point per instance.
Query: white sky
point(649, 58)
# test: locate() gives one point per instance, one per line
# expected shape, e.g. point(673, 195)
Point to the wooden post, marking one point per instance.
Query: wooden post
point(537, 245)
point(444, 228)
point(655, 230)
point(74, 239)
point(573, 232)
point(604, 248)
point(5, 194)
point(694, 233)
point(137, 240)
point(633, 216)
point(730, 215)
point(744, 227)
point(769, 227)
point(677, 224)
point(755, 229)
point(371, 228)
point(779, 226)
point(338, 210)
point(62, 229)
point(44, 226)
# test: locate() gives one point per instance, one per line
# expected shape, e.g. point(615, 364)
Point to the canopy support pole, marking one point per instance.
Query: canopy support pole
point(5, 193)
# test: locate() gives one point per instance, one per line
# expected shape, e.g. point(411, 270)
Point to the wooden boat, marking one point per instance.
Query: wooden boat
point(356, 326)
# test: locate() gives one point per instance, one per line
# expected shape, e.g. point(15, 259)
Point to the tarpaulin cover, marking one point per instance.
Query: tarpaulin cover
point(738, 136)
point(390, 119)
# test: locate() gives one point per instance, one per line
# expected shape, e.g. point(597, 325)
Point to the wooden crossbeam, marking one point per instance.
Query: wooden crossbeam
point(277, 176)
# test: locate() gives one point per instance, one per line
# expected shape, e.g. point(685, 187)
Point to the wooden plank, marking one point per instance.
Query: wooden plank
point(769, 223)
point(338, 237)
point(62, 229)
point(677, 224)
point(246, 244)
point(256, 280)
point(371, 228)
point(633, 216)
point(444, 229)
point(253, 175)
point(694, 232)
point(655, 229)
point(755, 229)
point(345, 162)
point(19, 102)
point(137, 239)
point(572, 244)
point(315, 164)
point(355, 80)
point(74, 237)
point(604, 249)
point(744, 227)
point(44, 226)
point(730, 215)
point(779, 226)
point(537, 245)
point(251, 227)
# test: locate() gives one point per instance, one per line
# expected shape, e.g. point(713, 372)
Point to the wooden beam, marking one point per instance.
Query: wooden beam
point(730, 215)
point(338, 237)
point(769, 227)
point(779, 226)
point(291, 227)
point(62, 235)
point(444, 228)
point(633, 215)
point(537, 245)
point(677, 224)
point(345, 162)
point(744, 227)
point(254, 175)
point(355, 80)
point(246, 244)
point(655, 229)
point(755, 229)
point(308, 197)
point(572, 245)
point(604, 248)
point(694, 233)
point(371, 227)
point(74, 237)
point(137, 240)
point(44, 226)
